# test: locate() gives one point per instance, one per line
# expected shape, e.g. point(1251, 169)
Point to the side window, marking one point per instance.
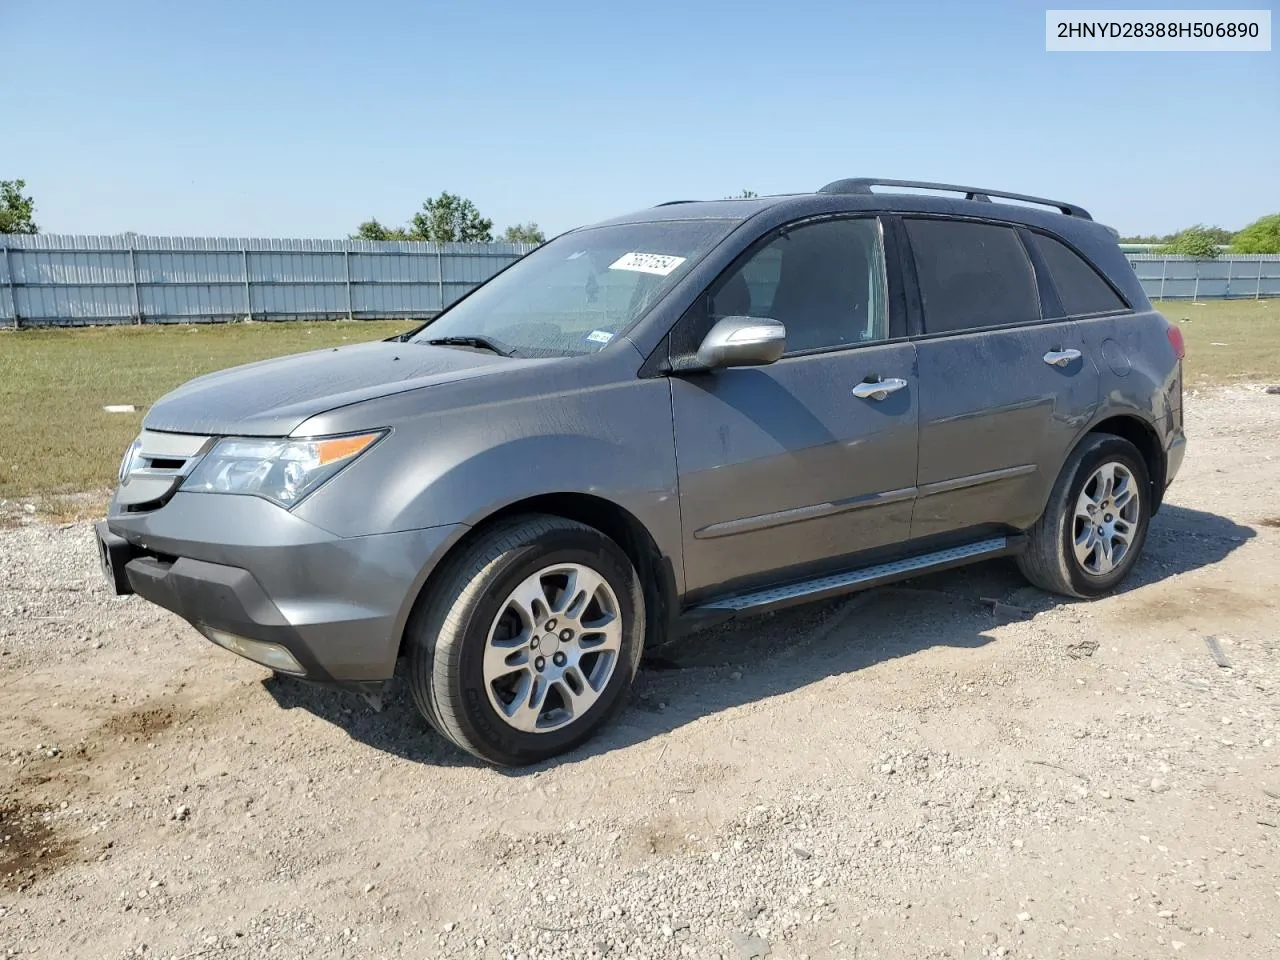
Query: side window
point(1079, 286)
point(825, 282)
point(972, 275)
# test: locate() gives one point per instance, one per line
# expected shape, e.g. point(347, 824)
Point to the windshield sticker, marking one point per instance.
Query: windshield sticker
point(656, 263)
point(599, 336)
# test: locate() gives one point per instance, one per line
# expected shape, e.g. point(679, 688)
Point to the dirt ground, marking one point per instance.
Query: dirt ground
point(905, 774)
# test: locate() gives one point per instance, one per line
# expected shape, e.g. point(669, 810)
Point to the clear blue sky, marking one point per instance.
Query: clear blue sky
point(302, 119)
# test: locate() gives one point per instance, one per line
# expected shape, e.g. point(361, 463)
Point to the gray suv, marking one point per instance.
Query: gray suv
point(696, 412)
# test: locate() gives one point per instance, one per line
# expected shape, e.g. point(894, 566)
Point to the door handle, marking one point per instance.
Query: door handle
point(878, 389)
point(1060, 358)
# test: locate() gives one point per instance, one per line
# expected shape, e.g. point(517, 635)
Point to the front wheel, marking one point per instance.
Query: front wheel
point(529, 641)
point(1095, 524)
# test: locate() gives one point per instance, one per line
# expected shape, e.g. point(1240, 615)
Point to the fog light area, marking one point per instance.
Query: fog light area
point(268, 654)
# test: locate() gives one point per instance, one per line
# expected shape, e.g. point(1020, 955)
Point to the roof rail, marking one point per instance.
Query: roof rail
point(671, 203)
point(864, 185)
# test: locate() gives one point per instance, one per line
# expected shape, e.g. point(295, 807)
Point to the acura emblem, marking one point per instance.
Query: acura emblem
point(130, 459)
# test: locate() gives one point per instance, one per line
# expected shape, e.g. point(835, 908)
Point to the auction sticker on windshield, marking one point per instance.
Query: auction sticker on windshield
point(657, 263)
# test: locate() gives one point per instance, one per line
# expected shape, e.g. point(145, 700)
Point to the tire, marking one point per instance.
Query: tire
point(474, 640)
point(1051, 561)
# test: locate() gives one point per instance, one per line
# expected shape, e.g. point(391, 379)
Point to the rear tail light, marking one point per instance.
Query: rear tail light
point(1176, 341)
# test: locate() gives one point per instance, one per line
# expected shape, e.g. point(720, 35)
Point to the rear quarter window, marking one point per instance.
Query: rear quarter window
point(1081, 289)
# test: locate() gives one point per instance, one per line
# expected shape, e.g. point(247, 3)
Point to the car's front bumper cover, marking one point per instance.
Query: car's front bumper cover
point(244, 567)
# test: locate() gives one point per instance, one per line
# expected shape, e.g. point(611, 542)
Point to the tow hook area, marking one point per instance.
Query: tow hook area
point(114, 554)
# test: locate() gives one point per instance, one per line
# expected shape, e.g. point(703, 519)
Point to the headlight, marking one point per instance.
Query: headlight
point(283, 471)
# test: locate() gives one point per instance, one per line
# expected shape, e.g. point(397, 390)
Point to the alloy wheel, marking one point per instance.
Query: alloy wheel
point(1106, 518)
point(552, 648)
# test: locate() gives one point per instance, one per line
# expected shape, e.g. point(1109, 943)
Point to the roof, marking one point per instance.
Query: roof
point(858, 194)
point(697, 210)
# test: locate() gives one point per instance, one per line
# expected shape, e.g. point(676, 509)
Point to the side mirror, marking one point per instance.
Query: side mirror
point(742, 342)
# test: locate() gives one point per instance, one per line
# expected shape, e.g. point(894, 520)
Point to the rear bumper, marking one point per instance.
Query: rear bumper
point(239, 566)
point(1174, 456)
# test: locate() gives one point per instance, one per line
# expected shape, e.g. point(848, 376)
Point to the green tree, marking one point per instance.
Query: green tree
point(1261, 236)
point(1218, 235)
point(743, 195)
point(372, 230)
point(16, 210)
point(449, 218)
point(1199, 241)
point(524, 233)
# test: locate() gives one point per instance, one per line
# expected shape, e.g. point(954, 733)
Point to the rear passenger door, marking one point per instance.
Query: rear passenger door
point(1003, 391)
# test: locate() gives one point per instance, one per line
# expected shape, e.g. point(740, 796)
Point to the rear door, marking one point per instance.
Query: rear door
point(1004, 392)
point(787, 468)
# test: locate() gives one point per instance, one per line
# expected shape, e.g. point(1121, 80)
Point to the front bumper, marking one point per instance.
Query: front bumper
point(240, 566)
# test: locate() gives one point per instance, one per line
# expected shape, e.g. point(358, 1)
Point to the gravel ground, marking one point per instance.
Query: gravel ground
point(910, 773)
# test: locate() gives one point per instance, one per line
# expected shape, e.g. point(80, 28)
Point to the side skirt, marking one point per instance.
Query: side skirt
point(772, 598)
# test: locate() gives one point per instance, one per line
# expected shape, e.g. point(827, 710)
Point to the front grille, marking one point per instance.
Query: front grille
point(156, 467)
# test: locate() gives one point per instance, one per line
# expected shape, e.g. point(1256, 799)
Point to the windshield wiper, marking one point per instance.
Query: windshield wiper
point(481, 343)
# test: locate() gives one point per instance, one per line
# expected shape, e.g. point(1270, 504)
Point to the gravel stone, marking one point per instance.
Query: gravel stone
point(750, 947)
point(913, 780)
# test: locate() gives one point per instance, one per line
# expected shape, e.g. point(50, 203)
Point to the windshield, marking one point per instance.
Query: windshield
point(576, 293)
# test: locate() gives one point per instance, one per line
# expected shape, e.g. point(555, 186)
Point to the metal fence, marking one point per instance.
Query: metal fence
point(1248, 276)
point(48, 279)
point(54, 280)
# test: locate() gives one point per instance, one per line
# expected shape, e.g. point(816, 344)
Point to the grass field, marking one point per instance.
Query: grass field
point(56, 440)
point(1228, 341)
point(55, 437)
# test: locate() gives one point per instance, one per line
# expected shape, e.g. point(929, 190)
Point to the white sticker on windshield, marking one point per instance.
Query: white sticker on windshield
point(599, 336)
point(657, 263)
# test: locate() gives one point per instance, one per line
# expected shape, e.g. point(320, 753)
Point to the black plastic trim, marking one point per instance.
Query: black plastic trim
point(910, 279)
point(1046, 289)
point(114, 555)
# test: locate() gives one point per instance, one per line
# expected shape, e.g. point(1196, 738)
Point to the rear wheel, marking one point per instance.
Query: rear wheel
point(1095, 524)
point(529, 641)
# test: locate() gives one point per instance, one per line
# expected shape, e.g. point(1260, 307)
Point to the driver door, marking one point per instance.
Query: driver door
point(784, 470)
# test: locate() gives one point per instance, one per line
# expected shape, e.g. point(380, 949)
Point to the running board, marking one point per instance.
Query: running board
point(805, 591)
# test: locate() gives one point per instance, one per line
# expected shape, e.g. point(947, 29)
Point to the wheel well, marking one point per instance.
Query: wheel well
point(1144, 437)
point(657, 574)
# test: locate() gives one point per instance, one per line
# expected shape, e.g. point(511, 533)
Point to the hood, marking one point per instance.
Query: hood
point(272, 397)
